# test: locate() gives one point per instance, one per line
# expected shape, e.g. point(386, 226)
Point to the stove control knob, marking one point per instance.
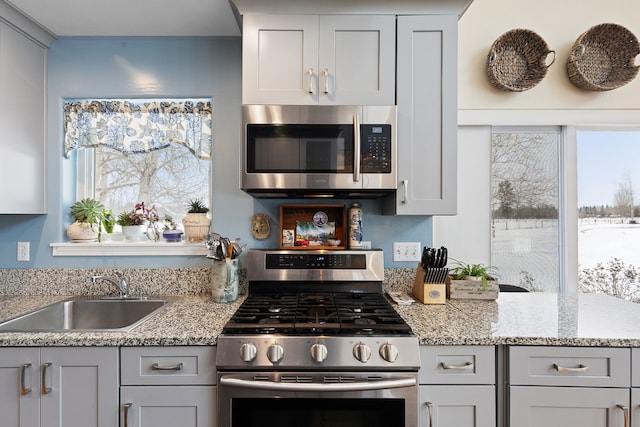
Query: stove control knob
point(248, 352)
point(319, 352)
point(362, 352)
point(389, 352)
point(275, 353)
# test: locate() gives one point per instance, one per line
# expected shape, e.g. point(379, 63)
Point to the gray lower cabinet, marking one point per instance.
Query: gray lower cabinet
point(168, 386)
point(59, 386)
point(569, 386)
point(457, 386)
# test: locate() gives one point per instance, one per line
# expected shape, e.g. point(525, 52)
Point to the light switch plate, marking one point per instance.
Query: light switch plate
point(406, 251)
point(23, 251)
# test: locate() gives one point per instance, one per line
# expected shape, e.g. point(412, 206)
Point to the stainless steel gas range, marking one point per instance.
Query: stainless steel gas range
point(316, 343)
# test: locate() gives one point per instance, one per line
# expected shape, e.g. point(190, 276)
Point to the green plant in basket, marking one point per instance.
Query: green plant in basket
point(462, 271)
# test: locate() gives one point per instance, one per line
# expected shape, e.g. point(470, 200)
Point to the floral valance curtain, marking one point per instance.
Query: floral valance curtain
point(138, 126)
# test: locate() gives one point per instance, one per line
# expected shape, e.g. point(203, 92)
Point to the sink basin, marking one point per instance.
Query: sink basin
point(86, 315)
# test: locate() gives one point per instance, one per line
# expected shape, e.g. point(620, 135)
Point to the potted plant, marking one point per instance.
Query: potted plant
point(108, 220)
point(170, 231)
point(88, 221)
point(131, 222)
point(473, 281)
point(196, 223)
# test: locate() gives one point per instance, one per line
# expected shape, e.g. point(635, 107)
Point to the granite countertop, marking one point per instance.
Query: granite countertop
point(514, 319)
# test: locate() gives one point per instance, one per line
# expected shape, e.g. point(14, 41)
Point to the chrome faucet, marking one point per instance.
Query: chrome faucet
point(121, 284)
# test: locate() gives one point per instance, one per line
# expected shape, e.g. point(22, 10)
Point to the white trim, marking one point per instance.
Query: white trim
point(128, 249)
point(547, 117)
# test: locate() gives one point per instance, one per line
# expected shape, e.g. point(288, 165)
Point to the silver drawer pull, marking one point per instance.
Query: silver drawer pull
point(126, 406)
point(625, 411)
point(156, 367)
point(579, 368)
point(466, 367)
point(430, 408)
point(24, 390)
point(43, 382)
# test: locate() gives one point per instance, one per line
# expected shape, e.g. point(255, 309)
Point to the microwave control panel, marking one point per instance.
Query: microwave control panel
point(375, 148)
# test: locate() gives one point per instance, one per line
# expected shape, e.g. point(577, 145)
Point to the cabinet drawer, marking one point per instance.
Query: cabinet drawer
point(570, 366)
point(457, 365)
point(635, 367)
point(168, 365)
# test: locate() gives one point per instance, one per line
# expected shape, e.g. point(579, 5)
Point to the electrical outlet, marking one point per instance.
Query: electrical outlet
point(406, 251)
point(23, 251)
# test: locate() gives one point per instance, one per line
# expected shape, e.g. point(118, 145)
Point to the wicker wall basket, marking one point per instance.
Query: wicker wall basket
point(518, 60)
point(603, 58)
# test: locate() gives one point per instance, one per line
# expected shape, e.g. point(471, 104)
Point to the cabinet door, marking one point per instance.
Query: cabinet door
point(635, 407)
point(567, 406)
point(83, 387)
point(357, 60)
point(19, 387)
point(460, 406)
point(427, 116)
point(280, 59)
point(170, 406)
point(22, 117)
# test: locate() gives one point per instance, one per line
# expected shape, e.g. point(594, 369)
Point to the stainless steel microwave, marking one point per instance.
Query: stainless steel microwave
point(336, 151)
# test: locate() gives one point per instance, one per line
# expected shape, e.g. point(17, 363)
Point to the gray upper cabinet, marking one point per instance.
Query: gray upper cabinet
point(427, 116)
point(22, 119)
point(312, 59)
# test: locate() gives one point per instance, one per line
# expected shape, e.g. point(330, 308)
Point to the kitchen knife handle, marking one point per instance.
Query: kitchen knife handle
point(356, 148)
point(310, 72)
point(405, 196)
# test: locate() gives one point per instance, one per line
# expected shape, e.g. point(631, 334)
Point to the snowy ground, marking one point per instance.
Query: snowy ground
point(532, 246)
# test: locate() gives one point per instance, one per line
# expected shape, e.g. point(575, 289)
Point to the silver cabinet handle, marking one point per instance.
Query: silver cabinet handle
point(325, 73)
point(405, 196)
point(24, 390)
point(468, 366)
point(43, 382)
point(310, 72)
point(579, 368)
point(430, 408)
point(356, 148)
point(625, 411)
point(156, 367)
point(126, 413)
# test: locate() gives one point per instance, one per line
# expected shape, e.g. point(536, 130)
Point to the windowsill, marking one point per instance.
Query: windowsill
point(120, 248)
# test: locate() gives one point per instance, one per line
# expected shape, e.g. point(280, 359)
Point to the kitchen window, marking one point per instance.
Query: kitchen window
point(525, 191)
point(156, 151)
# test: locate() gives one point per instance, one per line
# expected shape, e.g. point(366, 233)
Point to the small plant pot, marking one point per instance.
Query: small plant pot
point(196, 226)
point(82, 232)
point(172, 235)
point(131, 233)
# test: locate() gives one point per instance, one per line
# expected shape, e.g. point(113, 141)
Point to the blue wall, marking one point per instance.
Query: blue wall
point(152, 67)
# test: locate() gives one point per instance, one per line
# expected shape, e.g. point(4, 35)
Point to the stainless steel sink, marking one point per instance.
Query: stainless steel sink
point(86, 315)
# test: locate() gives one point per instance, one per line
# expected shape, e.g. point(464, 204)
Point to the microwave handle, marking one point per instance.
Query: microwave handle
point(356, 148)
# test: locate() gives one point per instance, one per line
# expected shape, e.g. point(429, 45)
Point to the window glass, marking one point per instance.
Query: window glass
point(524, 207)
point(609, 212)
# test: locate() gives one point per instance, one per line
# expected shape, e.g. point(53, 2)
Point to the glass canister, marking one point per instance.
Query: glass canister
point(224, 280)
point(355, 226)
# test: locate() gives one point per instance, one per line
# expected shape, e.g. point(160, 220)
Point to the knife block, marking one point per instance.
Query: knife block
point(429, 293)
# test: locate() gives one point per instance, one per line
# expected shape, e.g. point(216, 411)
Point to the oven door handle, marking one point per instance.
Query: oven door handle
point(315, 387)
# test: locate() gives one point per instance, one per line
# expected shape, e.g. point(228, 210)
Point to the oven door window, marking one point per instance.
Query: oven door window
point(300, 148)
point(344, 412)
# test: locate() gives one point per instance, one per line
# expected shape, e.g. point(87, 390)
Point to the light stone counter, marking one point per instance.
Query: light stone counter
point(193, 319)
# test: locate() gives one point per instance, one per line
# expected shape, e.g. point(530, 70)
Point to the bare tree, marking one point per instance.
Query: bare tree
point(624, 197)
point(527, 162)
